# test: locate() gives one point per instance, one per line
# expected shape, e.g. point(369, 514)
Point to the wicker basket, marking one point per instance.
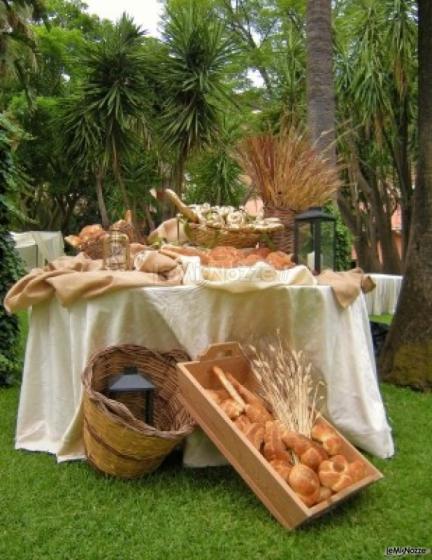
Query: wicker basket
point(210, 236)
point(284, 238)
point(117, 441)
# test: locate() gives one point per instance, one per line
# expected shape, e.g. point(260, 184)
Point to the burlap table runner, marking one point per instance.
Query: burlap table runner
point(72, 278)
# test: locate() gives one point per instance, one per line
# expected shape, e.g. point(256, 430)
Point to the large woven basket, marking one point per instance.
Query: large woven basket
point(284, 239)
point(117, 441)
point(210, 236)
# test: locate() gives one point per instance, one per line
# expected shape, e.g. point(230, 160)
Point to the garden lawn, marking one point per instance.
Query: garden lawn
point(69, 512)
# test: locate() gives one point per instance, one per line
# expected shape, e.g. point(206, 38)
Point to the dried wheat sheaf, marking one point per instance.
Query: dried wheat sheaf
point(288, 385)
point(288, 170)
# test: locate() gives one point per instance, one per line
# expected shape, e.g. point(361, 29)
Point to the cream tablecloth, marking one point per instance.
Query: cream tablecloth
point(62, 339)
point(38, 247)
point(386, 294)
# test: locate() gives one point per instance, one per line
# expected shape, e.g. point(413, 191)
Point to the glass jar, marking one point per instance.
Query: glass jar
point(116, 252)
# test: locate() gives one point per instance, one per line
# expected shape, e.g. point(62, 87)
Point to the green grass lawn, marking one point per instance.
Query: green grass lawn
point(67, 511)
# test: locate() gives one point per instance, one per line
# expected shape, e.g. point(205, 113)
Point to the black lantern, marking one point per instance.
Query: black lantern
point(132, 384)
point(315, 239)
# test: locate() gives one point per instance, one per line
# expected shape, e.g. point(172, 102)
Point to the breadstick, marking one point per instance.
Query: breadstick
point(228, 386)
point(247, 395)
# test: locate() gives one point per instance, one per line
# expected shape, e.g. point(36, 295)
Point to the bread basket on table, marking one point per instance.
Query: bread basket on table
point(117, 441)
point(207, 235)
point(90, 240)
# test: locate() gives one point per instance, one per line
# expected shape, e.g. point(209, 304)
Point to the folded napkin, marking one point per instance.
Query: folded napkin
point(71, 278)
point(346, 285)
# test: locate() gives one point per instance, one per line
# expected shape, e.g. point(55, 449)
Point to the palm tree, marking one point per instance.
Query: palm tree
point(407, 354)
point(320, 86)
point(106, 120)
point(191, 75)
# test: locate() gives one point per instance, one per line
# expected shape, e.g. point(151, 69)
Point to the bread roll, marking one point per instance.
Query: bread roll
point(272, 441)
point(88, 232)
point(242, 422)
point(258, 413)
point(231, 408)
point(304, 481)
point(331, 442)
point(255, 434)
point(324, 494)
point(357, 470)
point(299, 443)
point(334, 473)
point(281, 467)
point(313, 456)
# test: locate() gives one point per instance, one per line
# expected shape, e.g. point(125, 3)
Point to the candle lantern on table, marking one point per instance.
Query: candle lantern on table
point(315, 239)
point(116, 252)
point(135, 391)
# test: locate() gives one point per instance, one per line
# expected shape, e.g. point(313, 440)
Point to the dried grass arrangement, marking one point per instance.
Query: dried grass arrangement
point(287, 170)
point(288, 385)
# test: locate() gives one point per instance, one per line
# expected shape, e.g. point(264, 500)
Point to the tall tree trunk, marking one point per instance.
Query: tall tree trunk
point(407, 354)
point(320, 87)
point(179, 171)
point(101, 202)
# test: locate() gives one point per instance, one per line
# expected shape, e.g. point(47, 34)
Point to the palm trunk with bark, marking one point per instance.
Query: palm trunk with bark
point(407, 354)
point(320, 85)
point(101, 202)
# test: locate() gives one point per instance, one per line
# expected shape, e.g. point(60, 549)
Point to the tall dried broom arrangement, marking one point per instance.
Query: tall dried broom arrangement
point(288, 385)
point(287, 170)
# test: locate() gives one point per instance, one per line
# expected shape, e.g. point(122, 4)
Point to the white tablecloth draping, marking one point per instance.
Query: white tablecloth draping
point(38, 247)
point(384, 298)
point(61, 340)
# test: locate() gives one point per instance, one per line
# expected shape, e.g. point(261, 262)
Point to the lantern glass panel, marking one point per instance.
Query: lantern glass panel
point(305, 243)
point(327, 245)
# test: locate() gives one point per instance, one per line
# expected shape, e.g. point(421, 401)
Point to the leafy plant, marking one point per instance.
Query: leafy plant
point(107, 117)
point(10, 265)
point(191, 72)
point(213, 175)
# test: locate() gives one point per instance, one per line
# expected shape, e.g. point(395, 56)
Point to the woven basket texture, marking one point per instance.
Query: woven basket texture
point(117, 440)
point(282, 240)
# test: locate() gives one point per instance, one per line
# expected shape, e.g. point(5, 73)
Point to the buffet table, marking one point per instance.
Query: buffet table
point(384, 298)
point(61, 340)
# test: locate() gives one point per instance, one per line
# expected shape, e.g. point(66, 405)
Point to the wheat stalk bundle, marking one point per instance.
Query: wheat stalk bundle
point(287, 169)
point(288, 385)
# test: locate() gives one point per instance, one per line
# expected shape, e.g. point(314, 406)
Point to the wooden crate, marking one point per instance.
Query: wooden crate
point(267, 484)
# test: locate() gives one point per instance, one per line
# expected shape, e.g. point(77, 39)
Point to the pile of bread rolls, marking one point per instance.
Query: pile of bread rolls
point(88, 234)
point(314, 468)
point(230, 257)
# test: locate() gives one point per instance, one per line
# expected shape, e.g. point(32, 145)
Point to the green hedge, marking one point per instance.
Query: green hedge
point(10, 264)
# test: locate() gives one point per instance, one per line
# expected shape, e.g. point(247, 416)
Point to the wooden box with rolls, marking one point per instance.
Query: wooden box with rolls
point(220, 392)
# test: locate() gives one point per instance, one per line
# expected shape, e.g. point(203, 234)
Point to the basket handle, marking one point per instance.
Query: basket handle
point(181, 206)
point(221, 350)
